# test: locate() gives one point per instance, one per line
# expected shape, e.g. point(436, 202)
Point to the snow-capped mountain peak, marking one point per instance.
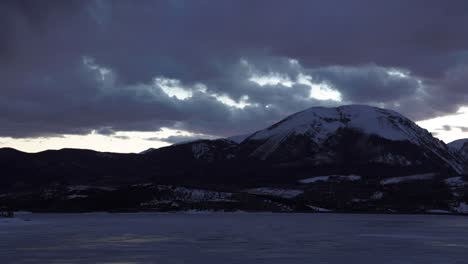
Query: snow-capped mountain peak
point(320, 122)
point(310, 129)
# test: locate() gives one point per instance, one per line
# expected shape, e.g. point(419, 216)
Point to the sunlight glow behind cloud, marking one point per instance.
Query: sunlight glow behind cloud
point(120, 142)
point(320, 91)
point(448, 128)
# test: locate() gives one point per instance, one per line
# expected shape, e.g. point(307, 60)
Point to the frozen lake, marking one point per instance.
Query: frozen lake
point(233, 238)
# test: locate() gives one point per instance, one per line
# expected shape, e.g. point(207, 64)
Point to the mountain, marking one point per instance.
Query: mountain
point(460, 146)
point(239, 138)
point(347, 159)
point(352, 136)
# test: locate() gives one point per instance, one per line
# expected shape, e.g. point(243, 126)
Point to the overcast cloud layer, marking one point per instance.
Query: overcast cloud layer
point(72, 67)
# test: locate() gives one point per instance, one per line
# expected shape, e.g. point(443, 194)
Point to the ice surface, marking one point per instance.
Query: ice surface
point(234, 238)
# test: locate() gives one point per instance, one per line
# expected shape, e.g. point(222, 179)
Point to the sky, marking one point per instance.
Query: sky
point(125, 76)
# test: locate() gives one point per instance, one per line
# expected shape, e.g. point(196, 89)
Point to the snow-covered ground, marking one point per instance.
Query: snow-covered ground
point(233, 238)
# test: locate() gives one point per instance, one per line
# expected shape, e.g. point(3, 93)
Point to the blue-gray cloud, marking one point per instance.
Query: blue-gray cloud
point(408, 55)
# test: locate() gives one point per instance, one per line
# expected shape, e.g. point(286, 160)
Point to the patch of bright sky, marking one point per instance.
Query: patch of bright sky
point(458, 124)
point(120, 142)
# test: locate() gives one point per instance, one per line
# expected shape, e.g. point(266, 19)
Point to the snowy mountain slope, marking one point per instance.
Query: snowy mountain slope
point(239, 138)
point(318, 130)
point(320, 122)
point(460, 147)
point(457, 145)
point(147, 151)
point(199, 150)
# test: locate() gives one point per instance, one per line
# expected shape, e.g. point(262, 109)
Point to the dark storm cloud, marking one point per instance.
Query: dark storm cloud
point(51, 53)
point(369, 83)
point(180, 138)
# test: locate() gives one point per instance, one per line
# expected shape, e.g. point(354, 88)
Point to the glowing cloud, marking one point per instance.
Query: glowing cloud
point(242, 103)
point(173, 88)
point(320, 91)
point(272, 79)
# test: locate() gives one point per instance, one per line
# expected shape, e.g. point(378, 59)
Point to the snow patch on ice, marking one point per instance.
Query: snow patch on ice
point(418, 177)
point(144, 185)
point(283, 193)
point(86, 187)
point(377, 196)
point(438, 211)
point(331, 178)
point(462, 208)
point(76, 196)
point(319, 209)
point(455, 182)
